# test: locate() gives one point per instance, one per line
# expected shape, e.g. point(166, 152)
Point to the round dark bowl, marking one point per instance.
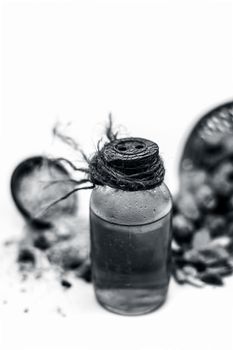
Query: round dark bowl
point(24, 169)
point(217, 122)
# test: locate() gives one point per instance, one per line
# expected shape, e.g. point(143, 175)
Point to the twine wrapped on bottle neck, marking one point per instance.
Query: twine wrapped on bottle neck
point(129, 164)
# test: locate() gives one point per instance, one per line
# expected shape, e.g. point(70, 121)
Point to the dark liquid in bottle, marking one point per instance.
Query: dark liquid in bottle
point(131, 264)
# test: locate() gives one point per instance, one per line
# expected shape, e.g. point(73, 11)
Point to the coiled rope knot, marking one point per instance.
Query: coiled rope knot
point(129, 164)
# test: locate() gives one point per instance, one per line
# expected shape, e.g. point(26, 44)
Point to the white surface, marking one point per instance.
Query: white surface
point(157, 66)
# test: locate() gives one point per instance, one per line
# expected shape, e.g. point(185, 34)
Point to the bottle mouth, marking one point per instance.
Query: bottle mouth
point(130, 146)
point(132, 155)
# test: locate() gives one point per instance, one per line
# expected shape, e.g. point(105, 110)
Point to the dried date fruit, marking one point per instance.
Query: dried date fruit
point(211, 278)
point(194, 281)
point(187, 205)
point(179, 276)
point(183, 276)
point(193, 257)
point(214, 255)
point(230, 229)
point(205, 197)
point(190, 270)
point(182, 229)
point(223, 241)
point(228, 144)
point(223, 271)
point(222, 180)
point(192, 180)
point(216, 224)
point(201, 238)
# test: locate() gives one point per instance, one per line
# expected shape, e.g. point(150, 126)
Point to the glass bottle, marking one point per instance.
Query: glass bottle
point(130, 248)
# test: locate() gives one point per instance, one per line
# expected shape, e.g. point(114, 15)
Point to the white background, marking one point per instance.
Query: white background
point(157, 66)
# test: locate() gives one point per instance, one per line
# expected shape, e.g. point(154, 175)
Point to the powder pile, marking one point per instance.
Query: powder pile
point(54, 237)
point(64, 246)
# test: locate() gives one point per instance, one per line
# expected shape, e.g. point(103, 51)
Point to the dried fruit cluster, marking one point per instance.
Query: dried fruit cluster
point(203, 217)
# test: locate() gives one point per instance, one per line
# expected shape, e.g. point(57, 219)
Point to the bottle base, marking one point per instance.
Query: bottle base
point(131, 302)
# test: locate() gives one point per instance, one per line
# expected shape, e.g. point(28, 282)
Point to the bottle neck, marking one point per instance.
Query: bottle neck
point(131, 208)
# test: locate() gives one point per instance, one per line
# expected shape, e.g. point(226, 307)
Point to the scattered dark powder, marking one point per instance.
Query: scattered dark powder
point(67, 251)
point(41, 243)
point(23, 290)
point(26, 256)
point(87, 276)
point(66, 284)
point(60, 312)
point(38, 275)
point(22, 269)
point(8, 243)
point(62, 248)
